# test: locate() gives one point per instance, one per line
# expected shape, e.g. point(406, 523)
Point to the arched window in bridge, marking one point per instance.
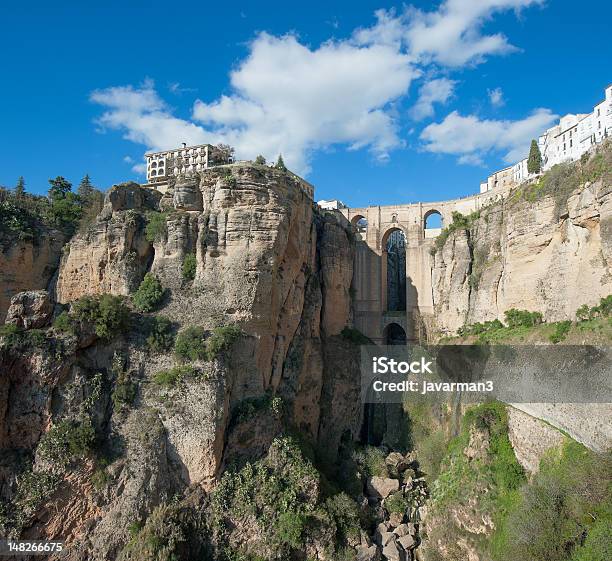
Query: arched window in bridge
point(396, 271)
point(394, 334)
point(432, 224)
point(360, 223)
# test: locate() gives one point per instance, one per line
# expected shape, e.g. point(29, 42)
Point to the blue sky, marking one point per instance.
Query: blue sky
point(373, 102)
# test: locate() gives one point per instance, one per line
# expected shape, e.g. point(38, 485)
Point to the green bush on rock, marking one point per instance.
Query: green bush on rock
point(149, 294)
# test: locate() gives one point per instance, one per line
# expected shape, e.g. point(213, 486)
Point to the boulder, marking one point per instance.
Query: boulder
point(396, 462)
point(370, 553)
point(402, 530)
point(382, 487)
point(407, 542)
point(393, 552)
point(29, 310)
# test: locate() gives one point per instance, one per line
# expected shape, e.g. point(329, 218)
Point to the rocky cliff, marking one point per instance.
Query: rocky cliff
point(28, 264)
point(546, 247)
point(96, 433)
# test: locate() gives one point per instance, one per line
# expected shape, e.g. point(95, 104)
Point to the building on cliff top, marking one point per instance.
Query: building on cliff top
point(161, 166)
point(571, 137)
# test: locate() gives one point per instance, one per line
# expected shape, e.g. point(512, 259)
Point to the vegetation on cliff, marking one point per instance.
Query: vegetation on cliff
point(522, 325)
point(24, 216)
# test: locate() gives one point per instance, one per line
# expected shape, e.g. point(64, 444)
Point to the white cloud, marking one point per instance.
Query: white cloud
point(290, 98)
point(471, 138)
point(450, 35)
point(128, 160)
point(140, 169)
point(178, 89)
point(434, 91)
point(287, 98)
point(145, 118)
point(496, 97)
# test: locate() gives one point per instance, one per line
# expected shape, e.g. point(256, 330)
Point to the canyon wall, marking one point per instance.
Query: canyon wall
point(267, 262)
point(545, 255)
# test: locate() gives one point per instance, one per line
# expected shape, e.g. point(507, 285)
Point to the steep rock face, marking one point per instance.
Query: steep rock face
point(27, 265)
point(113, 254)
point(527, 255)
point(268, 262)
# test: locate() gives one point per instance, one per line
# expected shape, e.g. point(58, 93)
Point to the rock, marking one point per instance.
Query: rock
point(187, 196)
point(25, 265)
point(411, 529)
point(407, 542)
point(386, 537)
point(402, 530)
point(382, 487)
point(396, 462)
point(392, 552)
point(396, 518)
point(365, 539)
point(130, 196)
point(31, 309)
point(382, 529)
point(370, 553)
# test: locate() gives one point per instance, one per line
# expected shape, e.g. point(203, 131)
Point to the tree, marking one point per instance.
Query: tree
point(65, 211)
point(85, 189)
point(280, 164)
point(60, 187)
point(534, 162)
point(20, 187)
point(260, 160)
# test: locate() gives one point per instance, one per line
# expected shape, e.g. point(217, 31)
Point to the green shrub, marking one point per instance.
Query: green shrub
point(345, 514)
point(522, 318)
point(12, 337)
point(156, 229)
point(290, 527)
point(561, 330)
point(189, 267)
point(173, 376)
point(64, 323)
point(371, 461)
point(149, 294)
point(100, 479)
point(160, 337)
point(67, 440)
point(221, 339)
point(397, 503)
point(190, 344)
point(109, 314)
point(568, 500)
point(459, 222)
point(125, 390)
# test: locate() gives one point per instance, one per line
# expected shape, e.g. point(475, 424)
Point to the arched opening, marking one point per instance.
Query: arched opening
point(433, 224)
point(395, 250)
point(394, 334)
point(360, 223)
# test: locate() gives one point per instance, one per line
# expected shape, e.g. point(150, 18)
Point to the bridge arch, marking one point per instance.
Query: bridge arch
point(394, 269)
point(433, 222)
point(394, 334)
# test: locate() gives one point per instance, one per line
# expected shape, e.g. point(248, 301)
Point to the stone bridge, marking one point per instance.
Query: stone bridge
point(374, 226)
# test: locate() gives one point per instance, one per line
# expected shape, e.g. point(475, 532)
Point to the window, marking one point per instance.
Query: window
point(571, 142)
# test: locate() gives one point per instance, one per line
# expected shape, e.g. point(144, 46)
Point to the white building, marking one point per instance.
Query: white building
point(575, 134)
point(334, 204)
point(182, 161)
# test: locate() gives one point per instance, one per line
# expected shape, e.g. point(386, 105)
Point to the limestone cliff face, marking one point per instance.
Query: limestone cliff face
point(28, 265)
point(538, 255)
point(268, 262)
point(113, 255)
